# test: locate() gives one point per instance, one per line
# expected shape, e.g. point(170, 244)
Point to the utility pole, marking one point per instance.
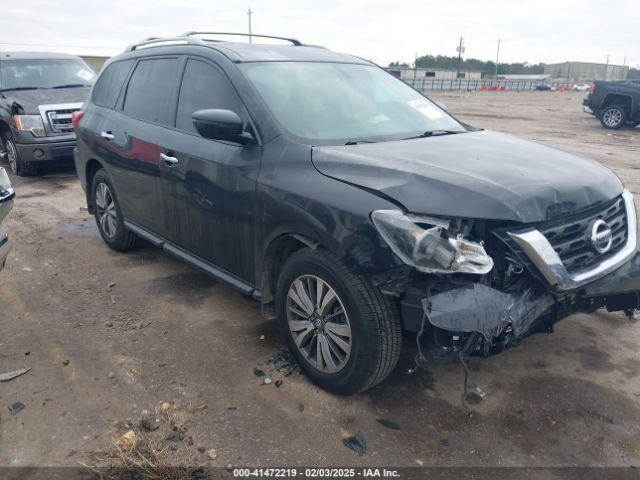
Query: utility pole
point(460, 52)
point(606, 69)
point(249, 12)
point(497, 58)
point(624, 64)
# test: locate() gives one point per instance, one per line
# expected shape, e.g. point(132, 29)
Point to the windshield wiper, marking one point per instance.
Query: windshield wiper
point(19, 88)
point(356, 142)
point(434, 133)
point(72, 85)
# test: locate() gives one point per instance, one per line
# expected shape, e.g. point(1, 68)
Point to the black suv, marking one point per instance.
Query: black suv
point(38, 94)
point(351, 206)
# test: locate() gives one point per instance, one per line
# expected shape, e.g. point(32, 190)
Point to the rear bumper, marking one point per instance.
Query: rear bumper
point(47, 152)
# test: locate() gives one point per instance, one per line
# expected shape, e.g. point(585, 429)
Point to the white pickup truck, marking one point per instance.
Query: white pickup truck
point(6, 204)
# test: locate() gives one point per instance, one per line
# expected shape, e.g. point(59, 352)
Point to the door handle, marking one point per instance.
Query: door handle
point(169, 160)
point(107, 136)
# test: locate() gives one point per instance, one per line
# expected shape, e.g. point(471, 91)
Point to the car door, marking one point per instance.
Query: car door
point(208, 186)
point(133, 137)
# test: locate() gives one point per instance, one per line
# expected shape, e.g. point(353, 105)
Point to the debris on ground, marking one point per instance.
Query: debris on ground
point(385, 422)
point(278, 383)
point(444, 442)
point(65, 363)
point(148, 423)
point(212, 454)
point(476, 396)
point(283, 362)
point(111, 375)
point(16, 407)
point(266, 381)
point(5, 377)
point(262, 337)
point(201, 449)
point(357, 443)
point(165, 406)
point(128, 440)
point(258, 372)
point(301, 407)
point(176, 434)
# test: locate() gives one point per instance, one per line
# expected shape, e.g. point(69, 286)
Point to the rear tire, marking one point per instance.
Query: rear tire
point(16, 164)
point(613, 117)
point(108, 214)
point(369, 329)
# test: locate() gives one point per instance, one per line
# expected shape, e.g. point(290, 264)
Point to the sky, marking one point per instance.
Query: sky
point(535, 31)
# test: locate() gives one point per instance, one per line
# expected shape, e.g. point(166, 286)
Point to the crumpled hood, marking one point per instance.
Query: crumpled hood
point(480, 174)
point(29, 100)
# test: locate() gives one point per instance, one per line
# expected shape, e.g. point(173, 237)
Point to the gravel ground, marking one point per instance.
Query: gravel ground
point(108, 336)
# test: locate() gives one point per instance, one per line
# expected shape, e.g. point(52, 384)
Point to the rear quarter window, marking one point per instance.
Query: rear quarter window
point(107, 88)
point(151, 89)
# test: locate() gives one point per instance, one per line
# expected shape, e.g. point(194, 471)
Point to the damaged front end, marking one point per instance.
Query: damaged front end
point(479, 287)
point(6, 204)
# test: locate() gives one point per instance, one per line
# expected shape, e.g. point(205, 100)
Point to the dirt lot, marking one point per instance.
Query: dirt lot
point(109, 335)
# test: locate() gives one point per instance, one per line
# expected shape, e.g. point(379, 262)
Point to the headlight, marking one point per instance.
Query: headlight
point(30, 123)
point(425, 243)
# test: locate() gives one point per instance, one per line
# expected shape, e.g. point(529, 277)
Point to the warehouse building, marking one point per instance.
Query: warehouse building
point(585, 71)
point(408, 73)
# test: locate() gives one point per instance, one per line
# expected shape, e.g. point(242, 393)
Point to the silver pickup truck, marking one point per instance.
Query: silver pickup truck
point(6, 204)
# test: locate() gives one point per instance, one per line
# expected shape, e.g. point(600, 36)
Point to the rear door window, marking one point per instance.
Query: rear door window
point(205, 86)
point(107, 88)
point(151, 89)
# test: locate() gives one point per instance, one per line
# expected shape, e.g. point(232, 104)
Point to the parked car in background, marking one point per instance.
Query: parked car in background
point(581, 87)
point(38, 94)
point(6, 204)
point(544, 87)
point(351, 206)
point(615, 104)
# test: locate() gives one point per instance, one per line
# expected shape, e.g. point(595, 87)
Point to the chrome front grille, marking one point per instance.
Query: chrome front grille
point(60, 120)
point(57, 118)
point(571, 238)
point(563, 250)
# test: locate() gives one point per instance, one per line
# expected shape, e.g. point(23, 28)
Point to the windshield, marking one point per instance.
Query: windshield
point(334, 103)
point(45, 73)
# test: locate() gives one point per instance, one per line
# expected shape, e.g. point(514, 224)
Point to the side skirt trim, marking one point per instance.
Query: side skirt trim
point(197, 262)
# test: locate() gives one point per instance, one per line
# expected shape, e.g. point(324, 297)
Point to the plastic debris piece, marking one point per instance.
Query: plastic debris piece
point(5, 377)
point(385, 422)
point(16, 407)
point(357, 443)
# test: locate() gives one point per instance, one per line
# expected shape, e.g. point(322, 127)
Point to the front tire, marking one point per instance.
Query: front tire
point(613, 117)
point(344, 333)
point(108, 214)
point(16, 164)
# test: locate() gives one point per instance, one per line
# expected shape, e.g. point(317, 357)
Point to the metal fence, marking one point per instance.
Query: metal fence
point(463, 85)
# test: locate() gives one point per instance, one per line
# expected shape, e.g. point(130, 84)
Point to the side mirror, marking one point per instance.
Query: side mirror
point(221, 125)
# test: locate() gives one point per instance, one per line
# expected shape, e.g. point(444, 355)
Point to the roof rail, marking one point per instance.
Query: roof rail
point(154, 40)
point(293, 41)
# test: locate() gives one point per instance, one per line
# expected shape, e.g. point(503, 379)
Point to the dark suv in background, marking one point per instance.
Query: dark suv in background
point(615, 104)
point(38, 94)
point(351, 206)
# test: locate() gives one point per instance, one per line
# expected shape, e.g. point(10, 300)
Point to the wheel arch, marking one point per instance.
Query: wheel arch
point(91, 168)
point(617, 99)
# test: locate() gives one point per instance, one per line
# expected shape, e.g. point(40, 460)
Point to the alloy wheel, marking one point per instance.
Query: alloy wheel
point(106, 210)
point(12, 156)
point(612, 117)
point(319, 324)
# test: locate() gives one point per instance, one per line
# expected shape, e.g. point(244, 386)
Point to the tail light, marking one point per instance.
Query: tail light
point(592, 88)
point(75, 119)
